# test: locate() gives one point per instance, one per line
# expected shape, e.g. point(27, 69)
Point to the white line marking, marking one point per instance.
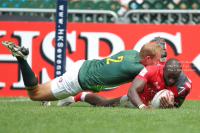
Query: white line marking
point(16, 100)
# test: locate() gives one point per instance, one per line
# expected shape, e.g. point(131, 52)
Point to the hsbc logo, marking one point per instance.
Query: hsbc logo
point(115, 41)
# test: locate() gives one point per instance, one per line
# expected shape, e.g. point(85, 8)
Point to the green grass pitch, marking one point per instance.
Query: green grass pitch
point(20, 115)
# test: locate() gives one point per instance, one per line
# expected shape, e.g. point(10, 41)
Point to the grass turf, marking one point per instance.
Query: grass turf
point(20, 115)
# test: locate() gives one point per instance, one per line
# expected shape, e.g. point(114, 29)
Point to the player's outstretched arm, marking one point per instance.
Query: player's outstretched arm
point(136, 87)
point(93, 99)
point(97, 100)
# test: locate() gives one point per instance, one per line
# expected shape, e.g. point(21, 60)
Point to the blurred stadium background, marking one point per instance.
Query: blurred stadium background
point(106, 11)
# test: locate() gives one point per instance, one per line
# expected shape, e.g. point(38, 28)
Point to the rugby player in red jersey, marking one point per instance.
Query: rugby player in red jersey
point(168, 77)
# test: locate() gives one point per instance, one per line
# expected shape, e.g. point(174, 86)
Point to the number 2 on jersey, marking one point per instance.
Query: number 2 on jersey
point(108, 60)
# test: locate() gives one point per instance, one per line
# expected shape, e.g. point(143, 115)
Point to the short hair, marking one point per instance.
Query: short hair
point(173, 66)
point(150, 49)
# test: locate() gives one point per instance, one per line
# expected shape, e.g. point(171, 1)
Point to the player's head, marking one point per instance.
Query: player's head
point(172, 71)
point(150, 53)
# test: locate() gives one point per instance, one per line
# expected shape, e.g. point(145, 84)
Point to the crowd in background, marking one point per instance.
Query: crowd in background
point(120, 7)
point(133, 4)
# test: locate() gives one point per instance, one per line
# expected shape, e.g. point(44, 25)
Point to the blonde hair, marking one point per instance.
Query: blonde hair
point(150, 49)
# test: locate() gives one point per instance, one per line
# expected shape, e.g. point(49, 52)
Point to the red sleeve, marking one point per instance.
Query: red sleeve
point(188, 87)
point(146, 73)
point(184, 85)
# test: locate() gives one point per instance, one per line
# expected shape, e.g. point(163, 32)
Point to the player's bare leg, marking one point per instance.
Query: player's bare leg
point(36, 92)
point(93, 99)
point(42, 93)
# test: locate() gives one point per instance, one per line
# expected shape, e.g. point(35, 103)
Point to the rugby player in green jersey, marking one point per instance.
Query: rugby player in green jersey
point(93, 75)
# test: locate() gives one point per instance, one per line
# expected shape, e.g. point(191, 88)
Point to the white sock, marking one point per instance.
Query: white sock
point(83, 96)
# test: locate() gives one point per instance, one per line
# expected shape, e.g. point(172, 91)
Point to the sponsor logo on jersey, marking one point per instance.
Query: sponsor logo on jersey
point(143, 72)
point(156, 84)
point(188, 85)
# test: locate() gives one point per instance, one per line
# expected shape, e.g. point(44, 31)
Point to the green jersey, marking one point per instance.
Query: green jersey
point(123, 67)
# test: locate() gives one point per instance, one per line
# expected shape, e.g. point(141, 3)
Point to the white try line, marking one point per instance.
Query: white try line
point(16, 100)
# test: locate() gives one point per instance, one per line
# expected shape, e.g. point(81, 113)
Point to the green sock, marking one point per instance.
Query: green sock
point(30, 80)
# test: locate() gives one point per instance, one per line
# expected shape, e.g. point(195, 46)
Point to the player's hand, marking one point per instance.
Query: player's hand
point(166, 104)
point(148, 107)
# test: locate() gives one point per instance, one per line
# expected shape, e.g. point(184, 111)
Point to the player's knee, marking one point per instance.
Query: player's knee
point(33, 98)
point(33, 95)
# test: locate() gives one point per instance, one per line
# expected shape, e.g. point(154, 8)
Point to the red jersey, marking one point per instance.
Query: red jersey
point(154, 77)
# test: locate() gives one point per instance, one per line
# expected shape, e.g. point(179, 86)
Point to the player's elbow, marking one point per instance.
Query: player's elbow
point(130, 92)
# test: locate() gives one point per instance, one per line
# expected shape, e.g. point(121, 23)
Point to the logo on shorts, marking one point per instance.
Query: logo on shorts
point(60, 80)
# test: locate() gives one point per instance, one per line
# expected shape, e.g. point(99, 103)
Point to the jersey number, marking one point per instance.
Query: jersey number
point(108, 60)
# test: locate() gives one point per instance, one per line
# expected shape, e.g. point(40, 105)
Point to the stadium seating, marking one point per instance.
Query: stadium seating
point(76, 5)
point(101, 5)
point(98, 5)
point(145, 5)
point(88, 5)
point(113, 6)
point(110, 5)
point(158, 5)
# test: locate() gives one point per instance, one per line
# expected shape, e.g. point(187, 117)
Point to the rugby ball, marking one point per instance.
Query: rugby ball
point(163, 93)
